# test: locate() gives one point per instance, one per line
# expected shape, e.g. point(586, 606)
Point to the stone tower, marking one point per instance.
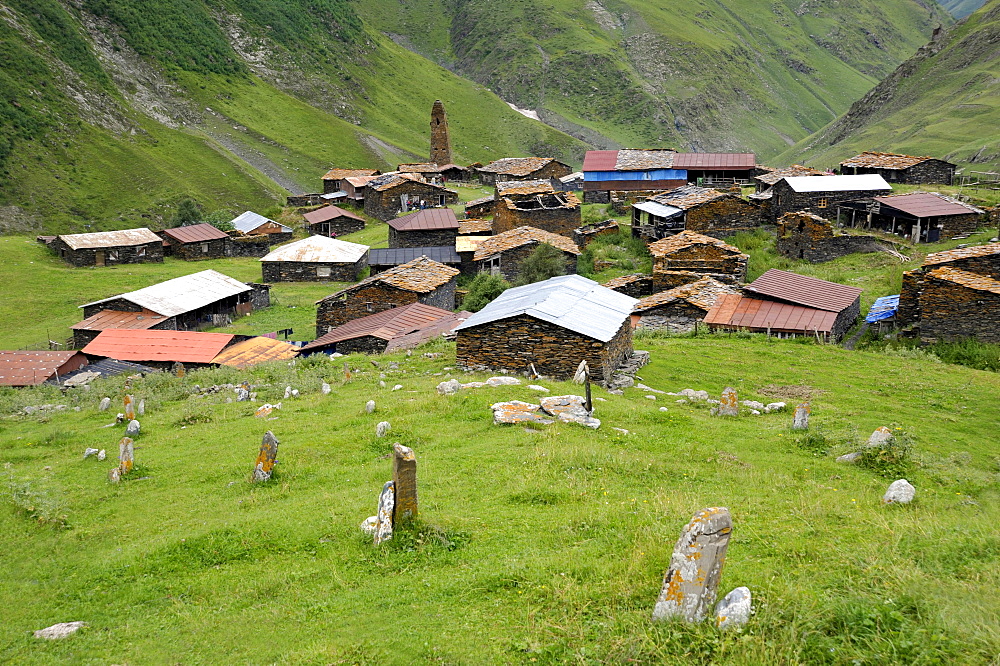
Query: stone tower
point(440, 144)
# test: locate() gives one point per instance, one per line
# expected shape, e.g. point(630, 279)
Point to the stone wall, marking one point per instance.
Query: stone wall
point(310, 271)
point(596, 196)
point(249, 246)
point(723, 217)
point(260, 295)
point(950, 311)
point(810, 237)
point(584, 235)
point(549, 215)
point(118, 305)
point(113, 256)
point(696, 261)
point(514, 344)
point(639, 288)
point(385, 205)
point(676, 317)
point(663, 280)
point(374, 298)
point(364, 345)
point(423, 238)
point(846, 319)
point(928, 172)
point(213, 249)
point(300, 200)
point(510, 262)
point(338, 226)
point(479, 211)
point(785, 200)
point(909, 298)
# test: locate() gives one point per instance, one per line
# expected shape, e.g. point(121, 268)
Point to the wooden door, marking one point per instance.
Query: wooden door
point(99, 258)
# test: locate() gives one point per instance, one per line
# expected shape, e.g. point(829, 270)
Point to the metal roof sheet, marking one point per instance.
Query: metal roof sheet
point(742, 312)
point(327, 213)
point(689, 196)
point(118, 319)
point(168, 346)
point(927, 204)
point(804, 290)
point(428, 219)
point(255, 350)
point(182, 294)
point(121, 238)
point(195, 233)
point(715, 161)
point(249, 221)
point(863, 183)
point(571, 301)
point(386, 325)
point(600, 160)
point(30, 368)
point(318, 249)
point(394, 256)
point(657, 209)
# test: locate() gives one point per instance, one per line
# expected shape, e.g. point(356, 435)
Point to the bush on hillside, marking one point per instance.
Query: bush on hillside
point(543, 263)
point(626, 252)
point(483, 289)
point(188, 212)
point(220, 219)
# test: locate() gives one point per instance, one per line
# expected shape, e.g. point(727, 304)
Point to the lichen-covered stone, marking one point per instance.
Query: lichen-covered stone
point(105, 403)
point(449, 387)
point(899, 492)
point(691, 582)
point(734, 609)
point(369, 524)
point(774, 407)
point(370, 406)
point(569, 409)
point(264, 410)
point(133, 428)
point(729, 405)
point(800, 421)
point(882, 435)
point(404, 483)
point(516, 411)
point(386, 505)
point(267, 457)
point(382, 429)
point(125, 455)
point(89, 452)
point(129, 407)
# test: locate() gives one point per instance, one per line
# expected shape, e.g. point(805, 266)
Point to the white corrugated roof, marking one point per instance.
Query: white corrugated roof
point(871, 181)
point(318, 249)
point(570, 301)
point(250, 220)
point(121, 238)
point(183, 294)
point(657, 209)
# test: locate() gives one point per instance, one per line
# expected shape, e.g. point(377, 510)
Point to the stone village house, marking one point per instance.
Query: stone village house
point(433, 227)
point(390, 194)
point(522, 168)
point(504, 253)
point(920, 216)
point(333, 180)
point(897, 168)
point(109, 248)
point(391, 330)
point(196, 241)
point(635, 285)
point(704, 210)
point(822, 194)
point(688, 256)
point(315, 259)
point(332, 221)
point(535, 203)
point(807, 236)
point(679, 310)
point(550, 327)
point(419, 281)
point(254, 224)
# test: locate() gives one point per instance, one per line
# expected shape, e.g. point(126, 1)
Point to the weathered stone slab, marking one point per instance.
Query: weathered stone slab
point(386, 504)
point(536, 387)
point(692, 394)
point(101, 455)
point(404, 483)
point(125, 455)
point(516, 411)
point(61, 630)
point(729, 405)
point(267, 458)
point(774, 407)
point(370, 406)
point(90, 452)
point(753, 404)
point(582, 370)
point(105, 403)
point(569, 409)
point(882, 435)
point(242, 395)
point(449, 387)
point(114, 475)
point(849, 457)
point(369, 524)
point(397, 387)
point(129, 407)
point(734, 609)
point(133, 428)
point(264, 410)
point(691, 582)
point(382, 429)
point(899, 492)
point(288, 392)
point(325, 388)
point(800, 421)
point(141, 409)
point(503, 381)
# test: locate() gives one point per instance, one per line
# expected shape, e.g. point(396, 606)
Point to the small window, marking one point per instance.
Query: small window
point(112, 255)
point(141, 251)
point(204, 248)
point(370, 307)
point(822, 203)
point(322, 271)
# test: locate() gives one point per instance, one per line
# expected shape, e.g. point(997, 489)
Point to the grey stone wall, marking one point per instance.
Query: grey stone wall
point(510, 262)
point(295, 271)
point(428, 238)
point(129, 254)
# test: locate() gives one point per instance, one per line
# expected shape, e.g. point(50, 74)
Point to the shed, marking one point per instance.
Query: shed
point(701, 209)
point(821, 194)
point(333, 180)
point(920, 216)
point(109, 248)
point(689, 256)
point(159, 349)
point(391, 330)
point(433, 227)
point(381, 259)
point(249, 353)
point(552, 326)
point(252, 224)
point(679, 310)
point(390, 194)
point(196, 241)
point(30, 368)
point(315, 259)
point(899, 168)
point(332, 221)
point(504, 253)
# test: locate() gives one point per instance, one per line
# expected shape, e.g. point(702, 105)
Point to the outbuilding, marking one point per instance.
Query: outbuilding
point(315, 259)
point(899, 168)
point(923, 217)
point(535, 203)
point(109, 248)
point(522, 168)
point(391, 330)
point(822, 194)
point(701, 209)
point(254, 224)
point(31, 368)
point(689, 256)
point(159, 349)
point(433, 227)
point(332, 221)
point(196, 241)
point(679, 310)
point(333, 180)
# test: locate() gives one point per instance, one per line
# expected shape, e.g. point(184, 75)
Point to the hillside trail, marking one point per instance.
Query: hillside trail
point(853, 340)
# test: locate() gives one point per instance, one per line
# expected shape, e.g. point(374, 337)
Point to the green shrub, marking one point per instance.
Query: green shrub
point(891, 459)
point(483, 289)
point(543, 263)
point(36, 503)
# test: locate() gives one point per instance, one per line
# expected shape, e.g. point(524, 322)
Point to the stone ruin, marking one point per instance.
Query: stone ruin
point(807, 236)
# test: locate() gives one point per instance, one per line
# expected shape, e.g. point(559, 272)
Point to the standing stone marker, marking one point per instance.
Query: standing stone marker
point(404, 483)
point(370, 406)
point(177, 369)
point(382, 429)
point(691, 582)
point(105, 403)
point(132, 429)
point(325, 388)
point(801, 419)
point(267, 457)
point(386, 502)
point(734, 610)
point(141, 409)
point(729, 405)
point(129, 408)
point(125, 452)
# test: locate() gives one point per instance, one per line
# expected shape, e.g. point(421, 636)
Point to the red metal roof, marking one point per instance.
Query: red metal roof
point(600, 160)
point(169, 346)
point(328, 213)
point(426, 220)
point(29, 368)
point(386, 325)
point(195, 233)
point(711, 161)
point(741, 312)
point(803, 290)
point(106, 319)
point(926, 204)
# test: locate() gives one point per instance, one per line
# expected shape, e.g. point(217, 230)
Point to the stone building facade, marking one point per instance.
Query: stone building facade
point(249, 246)
point(678, 310)
point(699, 209)
point(522, 168)
point(807, 236)
point(313, 271)
point(504, 253)
point(587, 233)
point(897, 168)
point(434, 227)
point(109, 248)
point(555, 212)
point(391, 194)
point(805, 193)
point(688, 256)
point(332, 221)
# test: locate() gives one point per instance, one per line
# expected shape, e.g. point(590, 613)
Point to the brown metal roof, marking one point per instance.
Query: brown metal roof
point(701, 293)
point(873, 159)
point(774, 175)
point(327, 213)
point(338, 174)
point(522, 236)
point(195, 233)
point(169, 346)
point(99, 239)
point(961, 253)
point(689, 196)
point(804, 290)
point(386, 325)
point(255, 350)
point(516, 166)
point(684, 239)
point(733, 310)
point(117, 319)
point(426, 220)
point(714, 161)
point(30, 368)
point(927, 204)
point(600, 160)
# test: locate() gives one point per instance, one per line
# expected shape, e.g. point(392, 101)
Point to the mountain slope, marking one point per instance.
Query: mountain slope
point(961, 8)
point(944, 101)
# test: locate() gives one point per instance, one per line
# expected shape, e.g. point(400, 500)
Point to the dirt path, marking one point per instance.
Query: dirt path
point(853, 340)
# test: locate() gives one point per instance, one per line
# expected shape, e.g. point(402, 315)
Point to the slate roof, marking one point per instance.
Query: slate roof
point(679, 241)
point(701, 293)
point(182, 294)
point(743, 312)
point(29, 368)
point(318, 249)
point(570, 301)
point(338, 174)
point(539, 186)
point(866, 182)
point(479, 202)
point(390, 180)
point(421, 275)
point(395, 256)
point(522, 236)
point(393, 324)
point(195, 233)
point(961, 253)
point(249, 221)
point(109, 367)
point(803, 290)
point(966, 279)
point(255, 350)
point(623, 280)
point(688, 196)
point(774, 175)
point(99, 239)
point(327, 213)
point(117, 319)
point(472, 227)
point(873, 159)
point(429, 219)
point(167, 346)
point(517, 166)
point(420, 167)
point(927, 204)
point(469, 243)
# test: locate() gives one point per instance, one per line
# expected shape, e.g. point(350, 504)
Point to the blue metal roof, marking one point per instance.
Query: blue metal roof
point(883, 308)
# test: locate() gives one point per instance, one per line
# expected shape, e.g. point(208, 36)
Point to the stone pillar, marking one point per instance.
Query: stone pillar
point(383, 524)
point(729, 405)
point(440, 143)
point(129, 408)
point(125, 459)
point(801, 419)
point(404, 481)
point(691, 582)
point(267, 457)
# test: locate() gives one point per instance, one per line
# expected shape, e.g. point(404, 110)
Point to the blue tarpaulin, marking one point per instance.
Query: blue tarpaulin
point(883, 308)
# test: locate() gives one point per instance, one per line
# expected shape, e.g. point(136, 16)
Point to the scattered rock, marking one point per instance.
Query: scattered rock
point(650, 397)
point(774, 407)
point(133, 428)
point(800, 421)
point(61, 630)
point(114, 475)
point(369, 524)
point(89, 452)
point(381, 384)
point(449, 387)
point(682, 401)
point(105, 403)
point(643, 387)
point(755, 412)
point(386, 504)
point(242, 395)
point(622, 431)
point(753, 404)
point(899, 492)
point(288, 392)
point(503, 381)
point(536, 387)
point(691, 582)
point(516, 411)
point(370, 406)
point(569, 409)
point(393, 365)
point(382, 429)
point(325, 388)
point(141, 409)
point(849, 457)
point(734, 609)
point(692, 395)
point(81, 379)
point(101, 455)
point(664, 409)
point(882, 435)
point(397, 387)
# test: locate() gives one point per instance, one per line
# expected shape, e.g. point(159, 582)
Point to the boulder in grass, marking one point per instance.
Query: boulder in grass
point(61, 630)
point(900, 491)
point(734, 609)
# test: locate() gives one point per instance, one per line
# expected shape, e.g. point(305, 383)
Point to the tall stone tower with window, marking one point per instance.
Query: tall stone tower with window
point(440, 144)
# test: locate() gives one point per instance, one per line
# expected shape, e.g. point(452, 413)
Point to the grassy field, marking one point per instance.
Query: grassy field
point(534, 546)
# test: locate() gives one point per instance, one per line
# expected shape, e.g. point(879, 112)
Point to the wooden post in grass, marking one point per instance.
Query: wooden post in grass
point(404, 481)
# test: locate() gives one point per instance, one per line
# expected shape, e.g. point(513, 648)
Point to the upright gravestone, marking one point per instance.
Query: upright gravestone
point(404, 483)
point(386, 502)
point(141, 409)
point(382, 429)
point(105, 403)
point(267, 457)
point(125, 453)
point(132, 429)
point(691, 582)
point(129, 408)
point(370, 406)
point(729, 405)
point(800, 421)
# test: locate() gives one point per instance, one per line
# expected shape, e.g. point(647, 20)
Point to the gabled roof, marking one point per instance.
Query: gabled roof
point(623, 280)
point(420, 167)
point(877, 160)
point(429, 219)
point(29, 368)
point(255, 350)
point(701, 293)
point(182, 294)
point(422, 275)
point(867, 182)
point(657, 209)
point(387, 325)
point(195, 233)
point(927, 204)
point(570, 301)
point(509, 187)
point(396, 256)
point(318, 249)
point(250, 220)
point(966, 279)
point(689, 196)
point(803, 290)
point(961, 253)
point(99, 239)
point(517, 166)
point(600, 160)
point(774, 175)
point(360, 181)
point(479, 202)
point(679, 241)
point(390, 180)
point(712, 161)
point(337, 174)
point(168, 346)
point(743, 312)
point(116, 319)
point(469, 243)
point(523, 236)
point(327, 213)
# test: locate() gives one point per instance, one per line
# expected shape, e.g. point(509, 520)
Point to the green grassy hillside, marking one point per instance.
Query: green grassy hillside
point(945, 101)
point(962, 8)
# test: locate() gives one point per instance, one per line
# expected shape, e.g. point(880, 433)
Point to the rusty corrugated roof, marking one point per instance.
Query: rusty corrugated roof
point(715, 161)
point(99, 239)
point(966, 279)
point(421, 275)
point(873, 159)
point(117, 319)
point(600, 160)
point(360, 181)
point(30, 368)
point(386, 325)
point(752, 313)
point(684, 239)
point(804, 290)
point(539, 186)
point(429, 219)
point(318, 249)
point(701, 293)
point(774, 175)
point(927, 204)
point(255, 350)
point(168, 346)
point(961, 253)
point(517, 166)
point(338, 174)
point(689, 196)
point(327, 213)
point(195, 233)
point(523, 236)
point(474, 227)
